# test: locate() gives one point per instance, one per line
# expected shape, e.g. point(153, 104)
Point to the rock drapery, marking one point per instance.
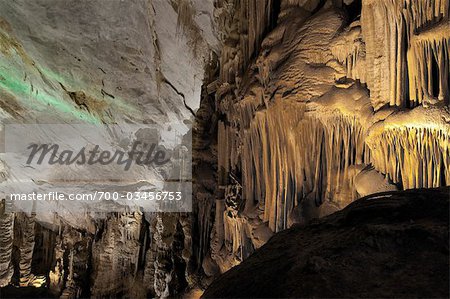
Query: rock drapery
point(301, 107)
point(326, 111)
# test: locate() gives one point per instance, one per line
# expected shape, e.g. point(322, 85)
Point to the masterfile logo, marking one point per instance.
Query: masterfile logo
point(92, 163)
point(52, 154)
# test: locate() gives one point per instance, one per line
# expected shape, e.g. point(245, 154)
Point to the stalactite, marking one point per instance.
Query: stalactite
point(204, 224)
point(388, 26)
point(415, 157)
point(300, 134)
point(350, 50)
point(277, 165)
point(243, 25)
point(428, 65)
point(218, 234)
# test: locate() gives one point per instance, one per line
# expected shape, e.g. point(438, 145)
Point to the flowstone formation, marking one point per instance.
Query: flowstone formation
point(297, 108)
point(325, 114)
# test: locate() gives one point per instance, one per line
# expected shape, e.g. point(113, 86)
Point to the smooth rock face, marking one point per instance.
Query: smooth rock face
point(145, 59)
point(388, 245)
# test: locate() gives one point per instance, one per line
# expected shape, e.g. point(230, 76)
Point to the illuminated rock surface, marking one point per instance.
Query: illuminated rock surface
point(320, 104)
point(301, 107)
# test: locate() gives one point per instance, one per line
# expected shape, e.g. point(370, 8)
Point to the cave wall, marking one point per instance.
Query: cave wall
point(323, 115)
point(121, 62)
point(307, 106)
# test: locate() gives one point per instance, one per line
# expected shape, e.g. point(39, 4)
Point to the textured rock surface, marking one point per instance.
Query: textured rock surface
point(390, 30)
point(301, 107)
point(384, 246)
point(122, 63)
point(6, 243)
point(99, 62)
point(321, 103)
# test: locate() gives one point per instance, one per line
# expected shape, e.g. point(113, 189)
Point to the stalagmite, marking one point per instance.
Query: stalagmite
point(6, 244)
point(162, 264)
point(117, 249)
point(56, 275)
point(24, 229)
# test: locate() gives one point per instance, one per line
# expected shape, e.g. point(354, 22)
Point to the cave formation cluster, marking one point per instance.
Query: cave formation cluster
point(297, 119)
